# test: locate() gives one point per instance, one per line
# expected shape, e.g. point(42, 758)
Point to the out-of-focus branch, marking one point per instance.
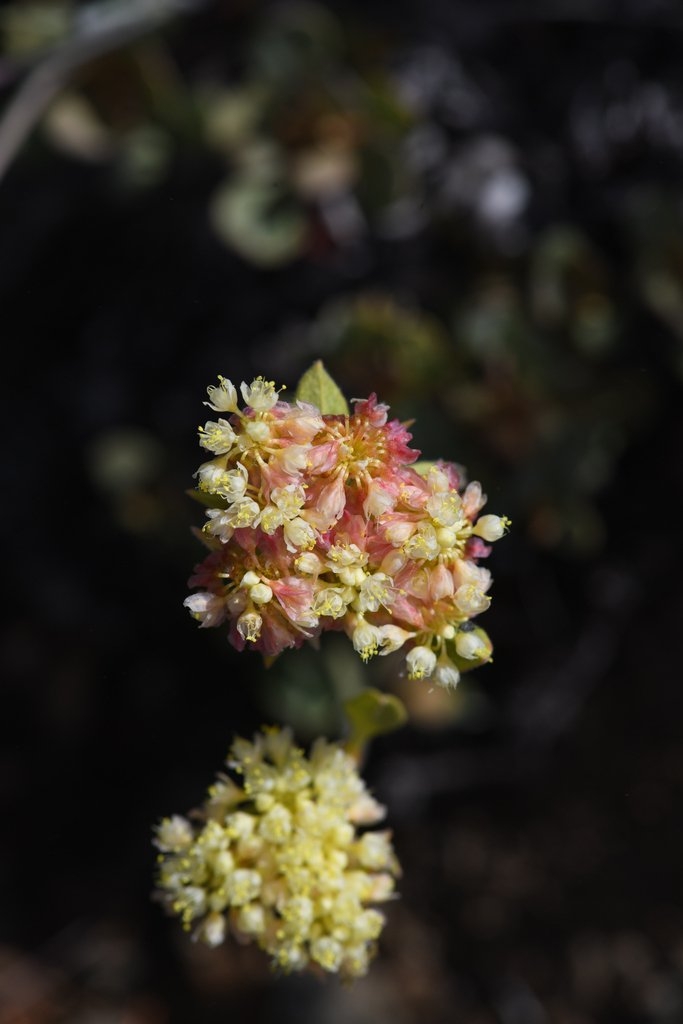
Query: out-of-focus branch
point(99, 29)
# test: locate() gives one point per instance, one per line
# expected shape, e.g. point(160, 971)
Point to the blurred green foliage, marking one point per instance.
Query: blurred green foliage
point(329, 141)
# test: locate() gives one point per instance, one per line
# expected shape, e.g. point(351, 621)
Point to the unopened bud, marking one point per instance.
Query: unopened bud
point(261, 593)
point(491, 528)
point(470, 645)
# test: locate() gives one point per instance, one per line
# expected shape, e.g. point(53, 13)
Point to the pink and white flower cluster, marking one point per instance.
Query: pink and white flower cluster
point(321, 523)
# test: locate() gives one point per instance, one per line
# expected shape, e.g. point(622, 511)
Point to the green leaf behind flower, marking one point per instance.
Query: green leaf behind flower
point(423, 466)
point(317, 387)
point(206, 499)
point(370, 714)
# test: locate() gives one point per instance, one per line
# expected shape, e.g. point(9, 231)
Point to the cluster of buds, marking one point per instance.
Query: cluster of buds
point(322, 522)
point(279, 859)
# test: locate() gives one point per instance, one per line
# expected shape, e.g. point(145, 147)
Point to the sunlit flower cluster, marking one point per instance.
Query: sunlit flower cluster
point(320, 522)
point(279, 859)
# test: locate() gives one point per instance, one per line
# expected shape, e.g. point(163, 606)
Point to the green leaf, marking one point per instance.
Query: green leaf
point(423, 466)
point(206, 499)
point(370, 714)
point(317, 387)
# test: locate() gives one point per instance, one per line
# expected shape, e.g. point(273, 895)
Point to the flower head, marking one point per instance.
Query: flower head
point(326, 517)
point(279, 859)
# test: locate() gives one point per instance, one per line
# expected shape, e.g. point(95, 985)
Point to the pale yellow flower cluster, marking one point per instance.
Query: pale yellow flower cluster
point(280, 860)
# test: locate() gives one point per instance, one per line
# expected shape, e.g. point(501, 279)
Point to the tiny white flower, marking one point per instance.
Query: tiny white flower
point(330, 602)
point(378, 501)
point(261, 394)
point(243, 886)
point(271, 519)
point(445, 509)
point(351, 576)
point(243, 512)
point(398, 533)
point(220, 523)
point(249, 626)
point(293, 459)
point(393, 637)
point(222, 398)
point(374, 591)
point(423, 543)
point(438, 480)
point(374, 850)
point(346, 554)
point(421, 662)
point(327, 952)
point(366, 639)
point(195, 901)
point(289, 499)
point(218, 438)
point(234, 485)
point(299, 534)
point(212, 930)
point(174, 834)
point(210, 476)
point(207, 608)
point(470, 599)
point(446, 674)
point(251, 919)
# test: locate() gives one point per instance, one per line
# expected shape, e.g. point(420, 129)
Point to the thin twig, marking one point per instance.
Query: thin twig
point(100, 28)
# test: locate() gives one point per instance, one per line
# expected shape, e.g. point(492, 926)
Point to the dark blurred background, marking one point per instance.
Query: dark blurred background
point(476, 211)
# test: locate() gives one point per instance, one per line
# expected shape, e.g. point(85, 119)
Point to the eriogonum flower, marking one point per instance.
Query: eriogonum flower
point(282, 858)
point(320, 522)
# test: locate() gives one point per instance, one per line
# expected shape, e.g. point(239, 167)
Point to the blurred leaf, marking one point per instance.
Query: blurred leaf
point(144, 157)
point(205, 499)
point(73, 126)
point(256, 219)
point(317, 388)
point(373, 713)
point(231, 117)
point(30, 27)
point(298, 38)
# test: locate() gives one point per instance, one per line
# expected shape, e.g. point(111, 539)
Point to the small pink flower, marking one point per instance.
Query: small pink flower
point(325, 503)
point(295, 595)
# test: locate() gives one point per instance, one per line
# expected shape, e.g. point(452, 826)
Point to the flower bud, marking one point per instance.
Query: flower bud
point(491, 528)
point(261, 593)
point(257, 430)
point(470, 646)
point(308, 563)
